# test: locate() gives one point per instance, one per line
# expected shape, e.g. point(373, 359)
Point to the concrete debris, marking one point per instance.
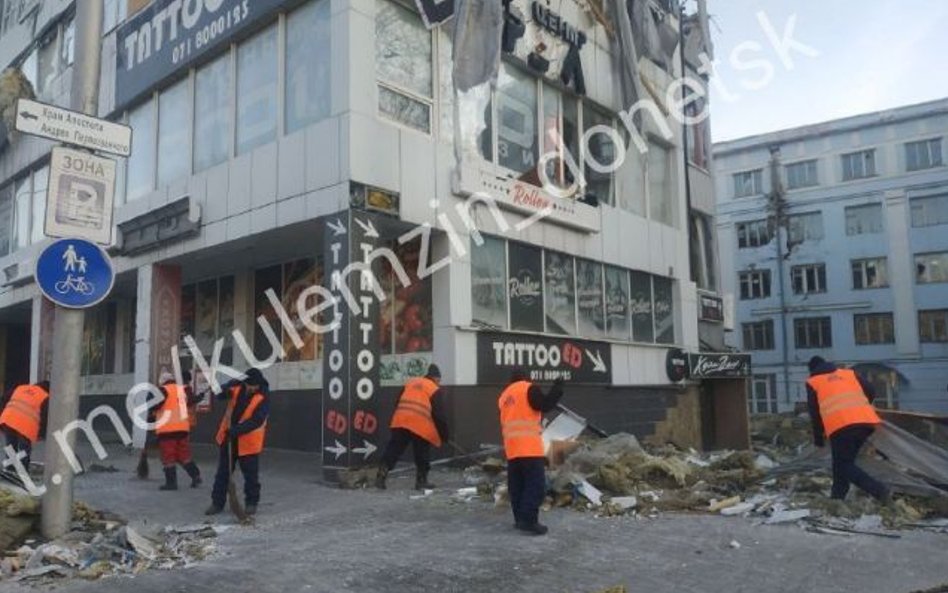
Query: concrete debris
point(789, 516)
point(589, 492)
point(738, 509)
point(624, 502)
point(720, 505)
point(735, 545)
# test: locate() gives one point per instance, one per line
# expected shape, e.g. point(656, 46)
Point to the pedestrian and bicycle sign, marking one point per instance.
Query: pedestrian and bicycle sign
point(75, 273)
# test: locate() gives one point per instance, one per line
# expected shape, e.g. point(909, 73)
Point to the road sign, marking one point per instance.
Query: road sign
point(72, 127)
point(80, 195)
point(74, 273)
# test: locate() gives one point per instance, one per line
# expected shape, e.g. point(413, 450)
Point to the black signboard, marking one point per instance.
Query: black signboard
point(718, 365)
point(170, 35)
point(543, 358)
point(524, 282)
point(676, 365)
point(710, 308)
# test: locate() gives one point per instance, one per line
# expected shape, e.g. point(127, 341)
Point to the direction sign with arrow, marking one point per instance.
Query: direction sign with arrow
point(366, 450)
point(72, 127)
point(338, 450)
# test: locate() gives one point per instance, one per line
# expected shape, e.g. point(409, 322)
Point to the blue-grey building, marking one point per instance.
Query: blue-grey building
point(834, 242)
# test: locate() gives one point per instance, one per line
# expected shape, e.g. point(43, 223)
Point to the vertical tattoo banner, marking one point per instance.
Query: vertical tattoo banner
point(351, 352)
point(165, 318)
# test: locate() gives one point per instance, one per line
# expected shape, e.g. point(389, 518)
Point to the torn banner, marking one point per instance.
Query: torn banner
point(478, 27)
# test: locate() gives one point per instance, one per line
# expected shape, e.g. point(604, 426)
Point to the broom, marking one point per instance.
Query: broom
point(232, 500)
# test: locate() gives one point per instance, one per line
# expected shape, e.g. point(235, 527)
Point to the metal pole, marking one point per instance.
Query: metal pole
point(56, 516)
point(778, 205)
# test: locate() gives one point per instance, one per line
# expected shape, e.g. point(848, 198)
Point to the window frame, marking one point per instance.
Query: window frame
point(868, 166)
point(874, 331)
point(823, 326)
point(749, 279)
point(808, 274)
point(808, 180)
point(769, 381)
point(931, 162)
point(927, 211)
point(739, 183)
point(800, 229)
point(429, 102)
point(943, 255)
point(933, 326)
point(764, 329)
point(862, 271)
point(852, 214)
point(749, 229)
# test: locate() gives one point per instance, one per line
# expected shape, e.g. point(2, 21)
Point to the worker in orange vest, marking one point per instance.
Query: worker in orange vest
point(840, 404)
point(173, 432)
point(23, 419)
point(240, 436)
point(419, 421)
point(522, 405)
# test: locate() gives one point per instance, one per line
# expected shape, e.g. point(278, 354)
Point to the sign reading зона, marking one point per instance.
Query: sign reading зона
point(170, 34)
point(544, 359)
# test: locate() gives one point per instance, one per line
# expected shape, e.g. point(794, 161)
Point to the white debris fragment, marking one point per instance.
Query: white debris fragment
point(625, 502)
point(764, 463)
point(738, 509)
point(781, 516)
point(735, 545)
point(590, 492)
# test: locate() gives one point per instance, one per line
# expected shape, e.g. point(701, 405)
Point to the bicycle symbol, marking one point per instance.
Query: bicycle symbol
point(75, 284)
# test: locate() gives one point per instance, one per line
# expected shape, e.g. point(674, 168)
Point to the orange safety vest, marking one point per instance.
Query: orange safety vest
point(841, 400)
point(414, 410)
point(519, 423)
point(22, 412)
point(171, 417)
point(252, 442)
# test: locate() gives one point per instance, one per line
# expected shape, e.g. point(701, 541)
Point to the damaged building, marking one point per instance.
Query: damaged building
point(278, 142)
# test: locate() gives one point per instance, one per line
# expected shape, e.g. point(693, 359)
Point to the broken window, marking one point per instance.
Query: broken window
point(805, 227)
point(931, 268)
point(870, 273)
point(403, 66)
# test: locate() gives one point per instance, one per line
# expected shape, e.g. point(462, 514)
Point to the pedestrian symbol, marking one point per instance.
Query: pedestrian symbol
point(74, 273)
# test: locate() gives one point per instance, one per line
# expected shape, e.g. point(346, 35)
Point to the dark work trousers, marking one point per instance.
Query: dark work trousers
point(845, 445)
point(249, 467)
point(19, 443)
point(526, 486)
point(401, 438)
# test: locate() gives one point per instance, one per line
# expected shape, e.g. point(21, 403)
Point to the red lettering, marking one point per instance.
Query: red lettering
point(572, 355)
point(336, 422)
point(365, 422)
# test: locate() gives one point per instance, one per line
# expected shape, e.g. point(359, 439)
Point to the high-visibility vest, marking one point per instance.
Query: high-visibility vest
point(519, 423)
point(171, 418)
point(22, 412)
point(252, 442)
point(413, 411)
point(841, 400)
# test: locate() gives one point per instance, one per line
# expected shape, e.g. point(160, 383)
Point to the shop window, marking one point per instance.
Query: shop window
point(140, 175)
point(589, 299)
point(763, 394)
point(813, 332)
point(864, 220)
point(560, 135)
point(173, 137)
point(931, 268)
point(98, 341)
point(805, 227)
point(933, 326)
point(516, 99)
point(602, 150)
point(403, 65)
point(489, 282)
point(618, 322)
point(6, 219)
point(753, 234)
point(406, 325)
point(641, 308)
point(748, 183)
point(754, 284)
point(257, 91)
point(559, 293)
point(287, 281)
point(758, 335)
point(525, 288)
point(859, 165)
point(808, 279)
point(924, 154)
point(308, 65)
point(930, 211)
point(874, 328)
point(207, 314)
point(869, 273)
point(664, 310)
point(802, 174)
point(212, 113)
point(661, 192)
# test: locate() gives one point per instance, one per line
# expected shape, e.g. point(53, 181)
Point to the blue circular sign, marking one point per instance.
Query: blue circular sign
point(74, 273)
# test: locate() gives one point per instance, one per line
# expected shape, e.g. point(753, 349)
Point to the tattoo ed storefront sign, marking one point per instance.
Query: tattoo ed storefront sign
point(170, 35)
point(544, 359)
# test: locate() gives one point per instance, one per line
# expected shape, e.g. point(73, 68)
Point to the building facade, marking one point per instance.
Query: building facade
point(836, 238)
point(276, 144)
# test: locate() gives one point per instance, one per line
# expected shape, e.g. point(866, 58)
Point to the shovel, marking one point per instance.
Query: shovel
point(232, 500)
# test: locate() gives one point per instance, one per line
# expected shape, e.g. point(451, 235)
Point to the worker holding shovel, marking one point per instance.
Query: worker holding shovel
point(240, 436)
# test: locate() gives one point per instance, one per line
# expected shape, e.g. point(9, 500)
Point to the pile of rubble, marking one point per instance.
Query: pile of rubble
point(97, 546)
point(783, 479)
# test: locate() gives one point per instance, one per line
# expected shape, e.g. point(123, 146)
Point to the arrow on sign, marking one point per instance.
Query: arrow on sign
point(338, 450)
point(337, 228)
point(27, 115)
point(369, 228)
point(598, 365)
point(367, 450)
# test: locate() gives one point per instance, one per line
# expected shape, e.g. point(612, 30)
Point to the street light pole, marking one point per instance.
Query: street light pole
point(56, 516)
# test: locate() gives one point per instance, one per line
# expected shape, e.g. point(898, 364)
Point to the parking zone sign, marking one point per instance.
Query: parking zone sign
point(80, 196)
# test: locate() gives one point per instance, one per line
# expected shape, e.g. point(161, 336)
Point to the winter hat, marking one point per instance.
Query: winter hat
point(254, 377)
point(433, 371)
point(816, 362)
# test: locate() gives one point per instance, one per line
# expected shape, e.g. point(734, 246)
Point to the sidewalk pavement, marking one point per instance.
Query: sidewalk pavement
point(312, 537)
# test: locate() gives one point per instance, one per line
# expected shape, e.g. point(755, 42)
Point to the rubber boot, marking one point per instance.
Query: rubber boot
point(380, 477)
point(194, 472)
point(422, 483)
point(171, 479)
